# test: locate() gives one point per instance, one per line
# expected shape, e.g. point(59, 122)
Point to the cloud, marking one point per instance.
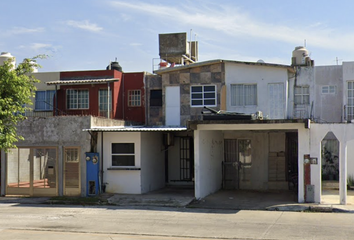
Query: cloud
point(22, 30)
point(38, 46)
point(237, 23)
point(85, 25)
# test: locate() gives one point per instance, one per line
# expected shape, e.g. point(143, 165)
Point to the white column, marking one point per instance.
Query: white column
point(304, 148)
point(197, 183)
point(343, 172)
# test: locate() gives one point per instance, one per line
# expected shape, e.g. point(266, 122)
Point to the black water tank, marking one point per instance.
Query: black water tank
point(115, 66)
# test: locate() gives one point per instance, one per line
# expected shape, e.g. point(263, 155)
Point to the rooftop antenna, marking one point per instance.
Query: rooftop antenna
point(195, 48)
point(190, 43)
point(304, 42)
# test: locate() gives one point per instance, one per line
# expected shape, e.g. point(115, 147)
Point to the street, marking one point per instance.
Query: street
point(98, 223)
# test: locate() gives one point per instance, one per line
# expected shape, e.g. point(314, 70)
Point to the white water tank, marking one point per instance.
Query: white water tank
point(4, 56)
point(299, 55)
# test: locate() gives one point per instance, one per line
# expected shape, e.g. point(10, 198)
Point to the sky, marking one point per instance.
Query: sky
point(88, 34)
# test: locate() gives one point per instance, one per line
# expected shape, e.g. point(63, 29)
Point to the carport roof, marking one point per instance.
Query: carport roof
point(135, 129)
point(82, 81)
point(193, 124)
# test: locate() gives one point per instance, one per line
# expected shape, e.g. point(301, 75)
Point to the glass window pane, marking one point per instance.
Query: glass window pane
point(209, 88)
point(197, 96)
point(197, 102)
point(123, 160)
point(122, 148)
point(209, 95)
point(197, 89)
point(209, 102)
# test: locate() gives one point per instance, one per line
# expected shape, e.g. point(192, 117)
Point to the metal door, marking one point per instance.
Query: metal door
point(231, 165)
point(186, 159)
point(71, 171)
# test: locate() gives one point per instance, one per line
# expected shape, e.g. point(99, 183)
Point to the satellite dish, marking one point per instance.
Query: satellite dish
point(260, 61)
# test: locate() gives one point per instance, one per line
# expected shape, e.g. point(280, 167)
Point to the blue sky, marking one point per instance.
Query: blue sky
point(88, 34)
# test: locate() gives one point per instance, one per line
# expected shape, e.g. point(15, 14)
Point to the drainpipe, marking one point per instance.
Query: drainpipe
point(103, 187)
point(108, 90)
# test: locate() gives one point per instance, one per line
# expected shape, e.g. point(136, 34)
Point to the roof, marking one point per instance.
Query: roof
point(82, 81)
point(205, 63)
point(135, 129)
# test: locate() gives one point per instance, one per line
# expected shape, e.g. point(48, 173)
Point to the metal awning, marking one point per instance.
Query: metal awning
point(82, 81)
point(135, 129)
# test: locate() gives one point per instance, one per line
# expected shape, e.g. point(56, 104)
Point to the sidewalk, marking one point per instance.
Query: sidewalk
point(184, 198)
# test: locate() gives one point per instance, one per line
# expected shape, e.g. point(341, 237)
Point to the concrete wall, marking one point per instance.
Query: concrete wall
point(328, 107)
point(152, 162)
point(209, 147)
point(121, 179)
point(236, 73)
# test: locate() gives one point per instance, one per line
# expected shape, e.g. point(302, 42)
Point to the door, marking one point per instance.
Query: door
point(71, 171)
point(186, 159)
point(172, 106)
point(276, 100)
point(32, 171)
point(237, 164)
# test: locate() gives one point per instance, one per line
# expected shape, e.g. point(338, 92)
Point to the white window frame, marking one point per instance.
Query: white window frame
point(302, 94)
point(134, 98)
point(350, 101)
point(243, 100)
point(329, 89)
point(203, 95)
point(123, 154)
point(47, 100)
point(77, 103)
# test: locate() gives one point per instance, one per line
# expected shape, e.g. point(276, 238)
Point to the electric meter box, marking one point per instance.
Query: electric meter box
point(92, 174)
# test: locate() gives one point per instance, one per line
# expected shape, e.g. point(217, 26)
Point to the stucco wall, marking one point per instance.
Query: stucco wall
point(253, 74)
point(117, 179)
point(209, 147)
point(152, 162)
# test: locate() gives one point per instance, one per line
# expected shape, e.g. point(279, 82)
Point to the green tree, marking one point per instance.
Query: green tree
point(17, 86)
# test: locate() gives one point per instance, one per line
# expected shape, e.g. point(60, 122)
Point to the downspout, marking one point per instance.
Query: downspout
point(103, 185)
point(108, 91)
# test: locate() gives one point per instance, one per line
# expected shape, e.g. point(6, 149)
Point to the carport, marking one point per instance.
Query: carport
point(260, 150)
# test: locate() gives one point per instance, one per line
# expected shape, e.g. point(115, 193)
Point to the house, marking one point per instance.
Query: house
point(57, 157)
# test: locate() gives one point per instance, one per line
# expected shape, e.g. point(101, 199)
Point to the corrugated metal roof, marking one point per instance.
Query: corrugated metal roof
point(82, 81)
point(136, 129)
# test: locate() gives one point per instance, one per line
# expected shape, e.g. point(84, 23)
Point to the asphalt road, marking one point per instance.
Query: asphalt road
point(98, 223)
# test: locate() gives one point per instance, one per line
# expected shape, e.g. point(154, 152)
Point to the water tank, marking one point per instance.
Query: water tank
point(299, 56)
point(4, 56)
point(115, 66)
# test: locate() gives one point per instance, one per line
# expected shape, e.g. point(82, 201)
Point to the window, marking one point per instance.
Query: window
point(350, 101)
point(77, 99)
point(156, 97)
point(123, 154)
point(328, 89)
point(71, 154)
point(134, 98)
point(103, 102)
point(243, 94)
point(44, 100)
point(302, 95)
point(203, 96)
